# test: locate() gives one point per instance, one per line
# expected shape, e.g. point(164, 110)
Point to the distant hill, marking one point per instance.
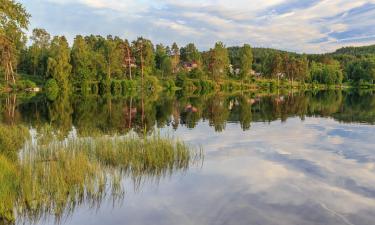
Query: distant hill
point(363, 50)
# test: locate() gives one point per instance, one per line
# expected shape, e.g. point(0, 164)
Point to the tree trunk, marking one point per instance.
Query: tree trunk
point(129, 63)
point(142, 68)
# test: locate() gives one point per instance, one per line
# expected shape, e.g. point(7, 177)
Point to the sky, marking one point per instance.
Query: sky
point(305, 26)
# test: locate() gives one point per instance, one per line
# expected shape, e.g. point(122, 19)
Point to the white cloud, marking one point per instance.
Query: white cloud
point(257, 22)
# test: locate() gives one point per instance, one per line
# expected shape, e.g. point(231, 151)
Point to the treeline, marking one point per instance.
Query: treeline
point(356, 51)
point(113, 64)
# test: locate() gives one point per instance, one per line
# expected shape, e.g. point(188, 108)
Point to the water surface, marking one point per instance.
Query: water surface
point(295, 158)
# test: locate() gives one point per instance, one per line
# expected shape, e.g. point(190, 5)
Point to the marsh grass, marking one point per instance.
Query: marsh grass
point(54, 176)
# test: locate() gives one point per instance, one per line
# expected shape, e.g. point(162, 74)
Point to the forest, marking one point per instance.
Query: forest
point(111, 64)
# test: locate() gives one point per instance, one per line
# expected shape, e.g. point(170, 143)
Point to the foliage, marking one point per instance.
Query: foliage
point(246, 61)
point(94, 60)
point(190, 54)
point(13, 20)
point(218, 61)
point(361, 69)
point(59, 67)
point(326, 73)
point(51, 89)
point(356, 51)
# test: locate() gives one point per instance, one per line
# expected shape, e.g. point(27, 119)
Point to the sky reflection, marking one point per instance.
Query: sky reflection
point(316, 171)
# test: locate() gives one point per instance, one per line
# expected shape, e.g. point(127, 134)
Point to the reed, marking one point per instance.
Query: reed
point(54, 177)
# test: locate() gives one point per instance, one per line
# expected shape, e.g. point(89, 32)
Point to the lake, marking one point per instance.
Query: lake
point(283, 158)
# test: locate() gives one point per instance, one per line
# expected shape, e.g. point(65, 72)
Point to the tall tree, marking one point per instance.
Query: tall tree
point(190, 54)
point(81, 62)
point(38, 52)
point(111, 53)
point(166, 66)
point(145, 56)
point(160, 53)
point(219, 61)
point(127, 56)
point(13, 19)
point(59, 67)
point(246, 61)
point(175, 57)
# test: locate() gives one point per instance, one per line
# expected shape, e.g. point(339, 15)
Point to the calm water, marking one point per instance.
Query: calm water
point(301, 158)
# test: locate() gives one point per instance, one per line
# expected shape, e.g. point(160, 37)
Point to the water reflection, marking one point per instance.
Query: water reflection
point(108, 114)
point(53, 177)
point(315, 167)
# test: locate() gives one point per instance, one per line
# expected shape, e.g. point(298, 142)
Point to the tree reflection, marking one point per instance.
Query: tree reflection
point(109, 114)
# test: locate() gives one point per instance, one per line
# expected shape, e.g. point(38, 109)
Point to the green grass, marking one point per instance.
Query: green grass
point(53, 177)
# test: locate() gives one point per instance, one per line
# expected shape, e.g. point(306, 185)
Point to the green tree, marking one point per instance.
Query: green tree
point(13, 20)
point(219, 61)
point(190, 54)
point(81, 62)
point(326, 73)
point(59, 66)
point(175, 51)
point(160, 53)
point(111, 53)
point(145, 56)
point(362, 69)
point(166, 66)
point(246, 61)
point(38, 51)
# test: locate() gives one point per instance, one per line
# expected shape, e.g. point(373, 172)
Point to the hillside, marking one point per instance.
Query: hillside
point(363, 50)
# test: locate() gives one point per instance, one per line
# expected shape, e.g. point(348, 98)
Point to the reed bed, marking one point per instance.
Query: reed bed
point(55, 177)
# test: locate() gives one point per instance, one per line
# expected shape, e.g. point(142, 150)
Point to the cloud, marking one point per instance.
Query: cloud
point(311, 26)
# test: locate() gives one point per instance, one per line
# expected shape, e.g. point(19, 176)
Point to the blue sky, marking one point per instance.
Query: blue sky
point(311, 26)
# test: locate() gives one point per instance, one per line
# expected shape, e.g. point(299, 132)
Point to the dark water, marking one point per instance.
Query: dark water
point(301, 158)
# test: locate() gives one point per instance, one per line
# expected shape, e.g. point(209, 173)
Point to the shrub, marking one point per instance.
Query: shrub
point(52, 89)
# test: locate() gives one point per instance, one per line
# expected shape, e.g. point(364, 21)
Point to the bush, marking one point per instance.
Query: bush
point(52, 89)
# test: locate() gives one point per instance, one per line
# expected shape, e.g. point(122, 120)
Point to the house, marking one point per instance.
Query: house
point(189, 66)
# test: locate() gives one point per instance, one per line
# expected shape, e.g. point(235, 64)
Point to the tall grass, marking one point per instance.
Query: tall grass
point(12, 138)
point(57, 176)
